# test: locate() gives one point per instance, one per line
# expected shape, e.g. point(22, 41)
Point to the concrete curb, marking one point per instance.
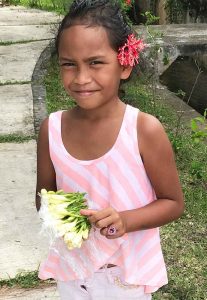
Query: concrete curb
point(39, 293)
point(38, 86)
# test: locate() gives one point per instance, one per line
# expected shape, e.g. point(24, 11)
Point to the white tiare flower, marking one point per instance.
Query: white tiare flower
point(66, 227)
point(73, 239)
point(85, 234)
point(58, 211)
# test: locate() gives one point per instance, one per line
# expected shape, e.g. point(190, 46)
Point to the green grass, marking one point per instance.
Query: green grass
point(23, 280)
point(15, 138)
point(8, 43)
point(58, 6)
point(56, 95)
point(14, 82)
point(184, 242)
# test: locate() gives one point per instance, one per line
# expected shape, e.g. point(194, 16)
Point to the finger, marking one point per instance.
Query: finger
point(114, 231)
point(108, 236)
point(115, 235)
point(104, 231)
point(102, 214)
point(103, 222)
point(111, 237)
point(88, 212)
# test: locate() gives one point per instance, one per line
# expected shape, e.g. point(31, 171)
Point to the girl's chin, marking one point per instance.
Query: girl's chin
point(89, 105)
point(86, 102)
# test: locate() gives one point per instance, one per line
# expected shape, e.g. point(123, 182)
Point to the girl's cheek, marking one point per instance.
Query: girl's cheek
point(67, 76)
point(64, 84)
point(62, 77)
point(65, 79)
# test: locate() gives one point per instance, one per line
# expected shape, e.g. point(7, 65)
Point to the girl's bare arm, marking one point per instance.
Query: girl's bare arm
point(159, 162)
point(45, 171)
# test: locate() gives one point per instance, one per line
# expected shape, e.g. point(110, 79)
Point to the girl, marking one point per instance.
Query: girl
point(120, 156)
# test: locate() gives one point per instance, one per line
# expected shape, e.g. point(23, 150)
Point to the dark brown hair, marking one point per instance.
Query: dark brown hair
point(105, 13)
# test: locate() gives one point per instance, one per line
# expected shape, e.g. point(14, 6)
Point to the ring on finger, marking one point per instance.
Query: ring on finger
point(111, 230)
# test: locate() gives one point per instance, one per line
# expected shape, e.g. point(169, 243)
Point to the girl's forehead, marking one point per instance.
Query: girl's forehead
point(84, 31)
point(84, 38)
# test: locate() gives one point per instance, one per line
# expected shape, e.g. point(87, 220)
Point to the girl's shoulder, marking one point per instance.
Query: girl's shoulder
point(151, 132)
point(148, 124)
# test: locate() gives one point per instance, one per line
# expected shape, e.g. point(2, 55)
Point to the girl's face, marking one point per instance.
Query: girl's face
point(90, 69)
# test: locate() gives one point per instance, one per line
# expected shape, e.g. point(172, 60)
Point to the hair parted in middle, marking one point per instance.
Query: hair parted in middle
point(105, 13)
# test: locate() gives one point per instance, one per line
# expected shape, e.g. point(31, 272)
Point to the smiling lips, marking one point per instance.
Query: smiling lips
point(85, 93)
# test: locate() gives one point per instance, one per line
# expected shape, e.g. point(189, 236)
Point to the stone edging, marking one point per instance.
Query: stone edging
point(38, 86)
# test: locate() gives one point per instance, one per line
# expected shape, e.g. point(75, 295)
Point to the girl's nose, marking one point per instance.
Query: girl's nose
point(82, 76)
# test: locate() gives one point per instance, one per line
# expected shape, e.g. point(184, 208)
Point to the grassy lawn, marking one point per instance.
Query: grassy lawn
point(26, 280)
point(184, 241)
point(59, 6)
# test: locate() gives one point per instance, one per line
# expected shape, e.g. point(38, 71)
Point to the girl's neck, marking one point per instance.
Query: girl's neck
point(111, 108)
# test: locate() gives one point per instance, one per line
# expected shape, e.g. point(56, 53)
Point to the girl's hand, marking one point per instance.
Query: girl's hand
point(104, 218)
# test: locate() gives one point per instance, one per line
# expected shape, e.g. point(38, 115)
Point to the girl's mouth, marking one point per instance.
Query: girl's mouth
point(85, 93)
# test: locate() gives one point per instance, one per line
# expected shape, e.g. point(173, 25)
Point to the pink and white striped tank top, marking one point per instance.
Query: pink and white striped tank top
point(118, 179)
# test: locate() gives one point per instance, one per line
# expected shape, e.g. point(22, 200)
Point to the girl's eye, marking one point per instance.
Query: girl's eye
point(96, 62)
point(67, 64)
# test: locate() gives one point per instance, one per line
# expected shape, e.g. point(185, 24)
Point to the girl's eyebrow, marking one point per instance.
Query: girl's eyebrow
point(95, 57)
point(88, 59)
point(64, 58)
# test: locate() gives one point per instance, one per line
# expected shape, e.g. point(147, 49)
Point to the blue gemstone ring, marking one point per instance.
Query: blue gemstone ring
point(111, 230)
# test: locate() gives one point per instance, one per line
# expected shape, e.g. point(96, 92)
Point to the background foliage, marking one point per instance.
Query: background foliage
point(177, 9)
point(61, 6)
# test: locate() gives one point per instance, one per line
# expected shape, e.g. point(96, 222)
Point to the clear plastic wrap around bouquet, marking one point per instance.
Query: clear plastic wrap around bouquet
point(61, 217)
point(72, 238)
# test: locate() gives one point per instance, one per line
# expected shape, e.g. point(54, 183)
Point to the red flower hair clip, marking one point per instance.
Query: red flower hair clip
point(128, 2)
point(129, 53)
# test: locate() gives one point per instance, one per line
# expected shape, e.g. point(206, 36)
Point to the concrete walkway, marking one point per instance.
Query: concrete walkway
point(24, 34)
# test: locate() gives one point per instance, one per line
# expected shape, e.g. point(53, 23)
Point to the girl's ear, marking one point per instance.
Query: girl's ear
point(126, 71)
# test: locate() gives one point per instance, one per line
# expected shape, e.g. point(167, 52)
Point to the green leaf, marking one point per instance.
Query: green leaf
point(194, 125)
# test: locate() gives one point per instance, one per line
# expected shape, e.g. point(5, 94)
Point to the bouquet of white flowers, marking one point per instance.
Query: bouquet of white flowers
point(61, 216)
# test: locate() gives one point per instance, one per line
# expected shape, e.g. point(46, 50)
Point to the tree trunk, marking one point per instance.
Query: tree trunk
point(161, 12)
point(141, 6)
